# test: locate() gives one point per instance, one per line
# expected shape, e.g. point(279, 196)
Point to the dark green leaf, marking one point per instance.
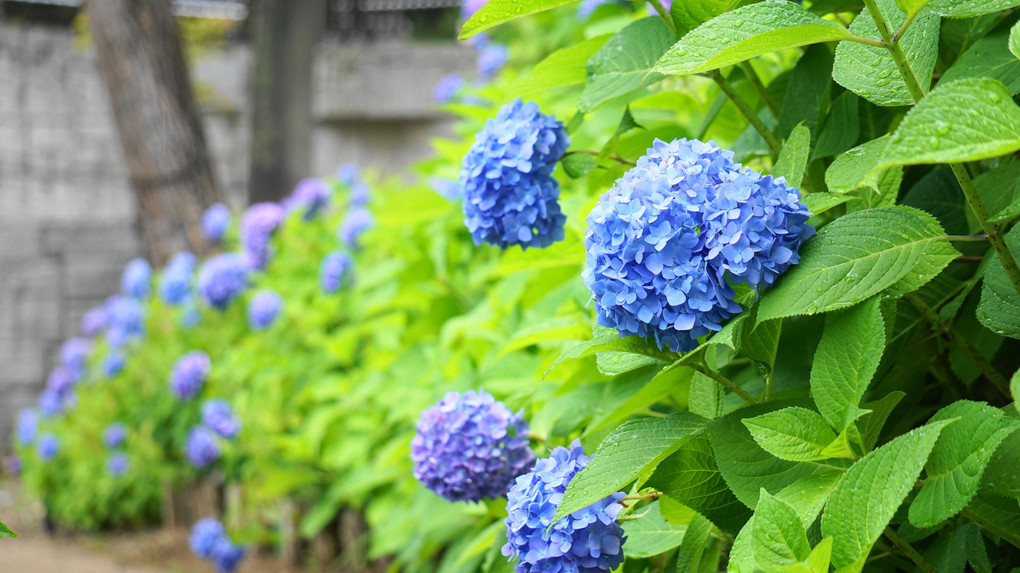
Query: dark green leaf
point(999, 309)
point(809, 83)
point(622, 65)
point(689, 15)
point(989, 57)
point(842, 126)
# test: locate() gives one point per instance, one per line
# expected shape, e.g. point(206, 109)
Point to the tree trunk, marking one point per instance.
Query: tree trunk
point(142, 62)
point(286, 33)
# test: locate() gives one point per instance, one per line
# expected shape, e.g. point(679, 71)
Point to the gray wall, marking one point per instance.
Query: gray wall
point(67, 212)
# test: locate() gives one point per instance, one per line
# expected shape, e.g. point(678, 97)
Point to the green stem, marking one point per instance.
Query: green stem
point(912, 553)
point(725, 382)
point(664, 14)
point(756, 122)
point(649, 495)
point(759, 87)
point(866, 41)
point(895, 50)
point(993, 230)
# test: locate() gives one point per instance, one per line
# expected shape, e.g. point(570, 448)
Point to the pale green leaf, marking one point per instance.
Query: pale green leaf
point(1014, 40)
point(663, 384)
point(778, 537)
point(970, 8)
point(622, 65)
point(609, 340)
point(854, 170)
point(496, 12)
point(632, 450)
point(794, 434)
point(564, 67)
point(746, 33)
point(869, 493)
point(999, 309)
point(989, 57)
point(689, 15)
point(871, 72)
point(6, 531)
point(958, 460)
point(688, 557)
point(650, 534)
point(821, 202)
point(851, 259)
point(706, 397)
point(793, 157)
point(577, 165)
point(911, 6)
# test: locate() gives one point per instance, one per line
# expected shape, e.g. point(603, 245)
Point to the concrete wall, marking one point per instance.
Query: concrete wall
point(67, 212)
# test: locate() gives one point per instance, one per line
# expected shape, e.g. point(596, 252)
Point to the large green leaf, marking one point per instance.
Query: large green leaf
point(853, 258)
point(845, 361)
point(745, 33)
point(6, 531)
point(632, 450)
point(807, 91)
point(793, 157)
point(794, 434)
point(855, 169)
point(969, 8)
point(564, 67)
point(871, 72)
point(688, 557)
point(650, 534)
point(778, 537)
point(958, 460)
point(821, 202)
point(689, 15)
point(966, 120)
point(869, 493)
point(622, 65)
point(999, 309)
point(496, 12)
point(989, 57)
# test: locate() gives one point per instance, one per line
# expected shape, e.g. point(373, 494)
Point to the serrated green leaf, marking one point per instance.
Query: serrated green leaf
point(989, 57)
point(999, 515)
point(622, 65)
point(1010, 211)
point(821, 202)
point(854, 169)
point(794, 434)
point(496, 12)
point(6, 531)
point(869, 493)
point(969, 8)
point(745, 33)
point(852, 259)
point(841, 129)
point(778, 537)
point(564, 67)
point(688, 557)
point(793, 157)
point(958, 460)
point(966, 120)
point(689, 15)
point(577, 165)
point(911, 6)
point(664, 383)
point(651, 535)
point(633, 449)
point(871, 72)
point(706, 397)
point(999, 309)
point(1014, 40)
point(870, 425)
point(609, 340)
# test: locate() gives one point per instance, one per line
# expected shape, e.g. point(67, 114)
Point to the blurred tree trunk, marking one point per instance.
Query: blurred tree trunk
point(286, 33)
point(140, 56)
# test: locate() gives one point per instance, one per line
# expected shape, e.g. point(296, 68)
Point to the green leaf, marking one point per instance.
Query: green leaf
point(609, 340)
point(746, 33)
point(6, 531)
point(688, 557)
point(706, 397)
point(999, 515)
point(967, 9)
point(794, 434)
point(841, 129)
point(778, 537)
point(496, 12)
point(989, 57)
point(871, 424)
point(821, 202)
point(910, 7)
point(806, 93)
point(650, 534)
point(869, 493)
point(1014, 389)
point(958, 460)
point(632, 450)
point(999, 309)
point(1010, 211)
point(966, 120)
point(689, 15)
point(852, 259)
point(1014, 40)
point(577, 165)
point(663, 384)
point(854, 170)
point(564, 67)
point(871, 72)
point(793, 157)
point(622, 65)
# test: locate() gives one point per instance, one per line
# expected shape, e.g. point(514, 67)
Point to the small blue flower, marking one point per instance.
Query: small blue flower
point(74, 355)
point(51, 404)
point(61, 380)
point(221, 279)
point(360, 193)
point(49, 447)
point(226, 555)
point(470, 447)
point(175, 283)
point(135, 280)
point(491, 60)
point(309, 196)
point(219, 417)
point(113, 364)
point(93, 322)
point(257, 227)
point(510, 196)
point(189, 374)
point(190, 316)
point(28, 425)
point(125, 320)
point(204, 536)
point(202, 449)
point(332, 271)
point(114, 435)
point(347, 173)
point(357, 221)
point(263, 309)
point(446, 88)
point(586, 541)
point(215, 222)
point(118, 464)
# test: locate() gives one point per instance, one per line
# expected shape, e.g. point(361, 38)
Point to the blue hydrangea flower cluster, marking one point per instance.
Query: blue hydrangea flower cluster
point(175, 283)
point(510, 195)
point(118, 464)
point(586, 541)
point(74, 355)
point(221, 279)
point(113, 363)
point(189, 373)
point(215, 222)
point(28, 425)
point(448, 188)
point(61, 380)
point(209, 540)
point(263, 308)
point(114, 435)
point(332, 270)
point(357, 221)
point(49, 447)
point(348, 173)
point(666, 243)
point(309, 196)
point(257, 227)
point(360, 193)
point(219, 417)
point(470, 447)
point(202, 449)
point(93, 322)
point(58, 397)
point(125, 320)
point(491, 60)
point(52, 404)
point(447, 87)
point(135, 280)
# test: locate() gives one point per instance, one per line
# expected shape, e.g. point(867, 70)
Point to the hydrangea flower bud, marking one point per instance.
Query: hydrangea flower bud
point(114, 435)
point(204, 536)
point(447, 87)
point(491, 60)
point(74, 355)
point(189, 374)
point(93, 321)
point(357, 221)
point(49, 446)
point(135, 280)
point(28, 425)
point(118, 464)
point(215, 222)
point(202, 449)
point(587, 541)
point(470, 447)
point(665, 243)
point(175, 283)
point(257, 227)
point(221, 279)
point(125, 320)
point(263, 308)
point(332, 271)
point(510, 196)
point(219, 417)
point(309, 196)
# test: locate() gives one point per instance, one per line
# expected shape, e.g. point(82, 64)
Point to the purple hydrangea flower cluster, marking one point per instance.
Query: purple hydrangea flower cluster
point(586, 541)
point(666, 242)
point(52, 404)
point(257, 227)
point(332, 271)
point(114, 435)
point(118, 464)
point(58, 397)
point(61, 380)
point(491, 59)
point(469, 7)
point(357, 221)
point(175, 283)
point(28, 425)
point(74, 355)
point(49, 447)
point(347, 173)
point(447, 87)
point(309, 196)
point(263, 308)
point(93, 322)
point(470, 447)
point(209, 540)
point(135, 280)
point(219, 417)
point(189, 373)
point(510, 195)
point(221, 279)
point(125, 320)
point(215, 222)
point(202, 449)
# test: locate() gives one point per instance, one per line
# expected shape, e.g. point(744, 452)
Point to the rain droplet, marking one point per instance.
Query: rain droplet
point(933, 142)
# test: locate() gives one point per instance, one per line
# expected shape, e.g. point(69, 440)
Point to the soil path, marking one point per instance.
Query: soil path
point(43, 555)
